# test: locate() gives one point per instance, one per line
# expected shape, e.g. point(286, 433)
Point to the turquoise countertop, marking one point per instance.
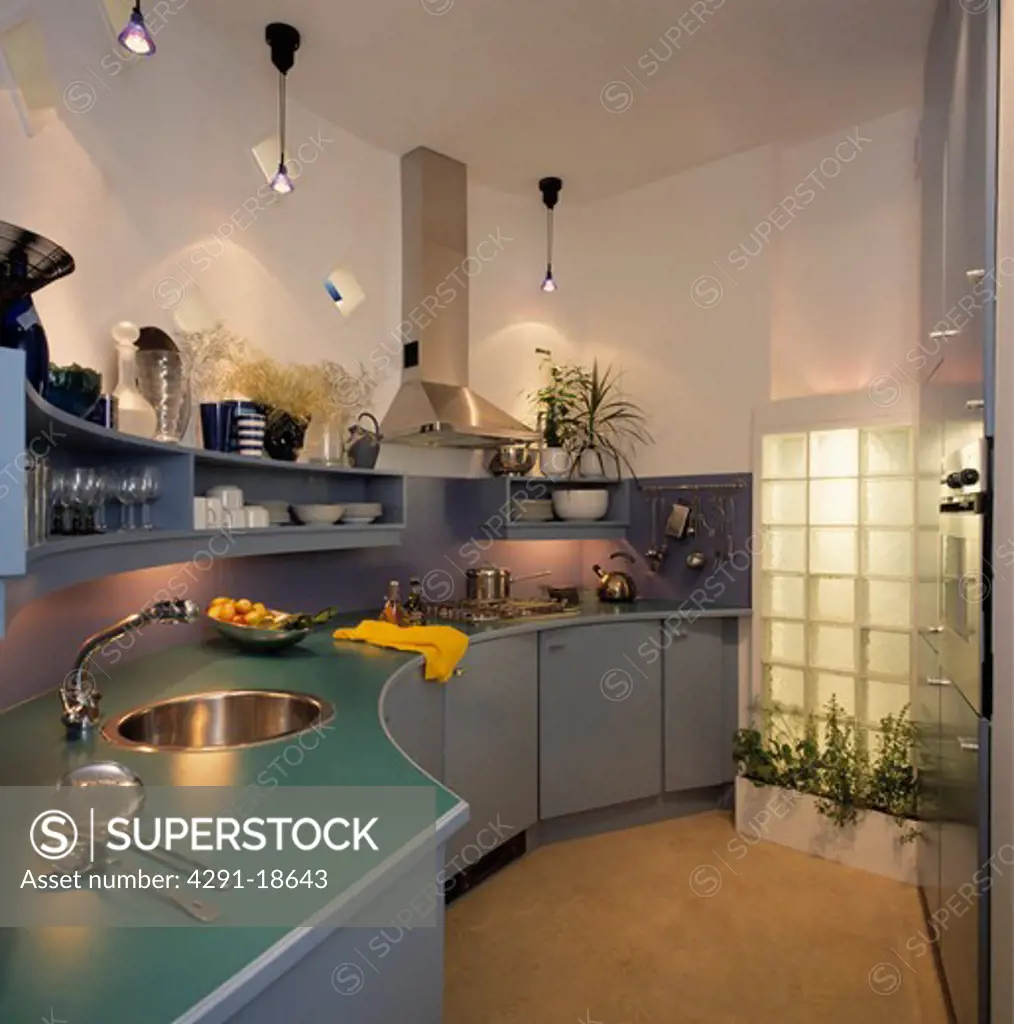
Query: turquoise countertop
point(104, 976)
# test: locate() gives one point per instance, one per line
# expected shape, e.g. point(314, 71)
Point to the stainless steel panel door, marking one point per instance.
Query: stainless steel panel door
point(962, 917)
point(926, 716)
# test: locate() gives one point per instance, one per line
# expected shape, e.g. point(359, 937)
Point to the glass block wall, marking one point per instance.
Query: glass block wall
point(837, 511)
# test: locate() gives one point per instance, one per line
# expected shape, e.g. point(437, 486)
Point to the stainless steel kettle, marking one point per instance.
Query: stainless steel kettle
point(616, 586)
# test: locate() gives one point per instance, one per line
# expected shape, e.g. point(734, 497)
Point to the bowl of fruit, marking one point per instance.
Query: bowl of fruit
point(252, 626)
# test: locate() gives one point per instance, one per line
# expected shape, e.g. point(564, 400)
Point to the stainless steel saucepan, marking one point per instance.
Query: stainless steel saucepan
point(491, 583)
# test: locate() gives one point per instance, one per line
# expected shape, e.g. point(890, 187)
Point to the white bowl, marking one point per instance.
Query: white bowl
point(532, 510)
point(278, 511)
point(580, 503)
point(318, 515)
point(360, 512)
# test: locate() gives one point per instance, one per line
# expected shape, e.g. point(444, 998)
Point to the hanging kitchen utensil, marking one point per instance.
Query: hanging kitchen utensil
point(678, 521)
point(720, 530)
point(655, 555)
point(692, 519)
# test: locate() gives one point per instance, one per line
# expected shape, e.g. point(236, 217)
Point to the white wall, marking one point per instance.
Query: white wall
point(144, 179)
point(708, 294)
point(624, 268)
point(845, 287)
point(708, 298)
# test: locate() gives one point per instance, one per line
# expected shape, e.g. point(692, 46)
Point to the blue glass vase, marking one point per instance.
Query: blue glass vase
point(20, 328)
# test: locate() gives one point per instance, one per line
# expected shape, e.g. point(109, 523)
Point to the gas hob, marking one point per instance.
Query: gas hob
point(498, 611)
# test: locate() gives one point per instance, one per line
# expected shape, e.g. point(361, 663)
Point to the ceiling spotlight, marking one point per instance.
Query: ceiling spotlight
point(550, 189)
point(284, 41)
point(136, 37)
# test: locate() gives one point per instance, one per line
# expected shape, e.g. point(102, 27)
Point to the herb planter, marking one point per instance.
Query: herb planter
point(789, 818)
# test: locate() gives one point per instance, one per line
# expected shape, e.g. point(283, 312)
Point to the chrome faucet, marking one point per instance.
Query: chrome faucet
point(78, 693)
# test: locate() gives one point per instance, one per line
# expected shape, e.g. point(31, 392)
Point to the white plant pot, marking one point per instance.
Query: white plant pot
point(591, 465)
point(555, 463)
point(783, 816)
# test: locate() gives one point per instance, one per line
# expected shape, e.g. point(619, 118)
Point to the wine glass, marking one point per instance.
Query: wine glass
point(58, 493)
point(84, 489)
point(149, 481)
point(103, 490)
point(128, 486)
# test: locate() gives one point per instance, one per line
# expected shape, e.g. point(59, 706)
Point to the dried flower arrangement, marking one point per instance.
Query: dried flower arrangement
point(300, 391)
point(348, 393)
point(210, 357)
point(222, 364)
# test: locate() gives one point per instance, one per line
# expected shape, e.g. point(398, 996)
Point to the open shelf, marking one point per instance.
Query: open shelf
point(29, 422)
point(497, 506)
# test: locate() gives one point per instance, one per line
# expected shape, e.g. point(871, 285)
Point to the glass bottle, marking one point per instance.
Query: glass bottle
point(415, 606)
point(135, 414)
point(394, 610)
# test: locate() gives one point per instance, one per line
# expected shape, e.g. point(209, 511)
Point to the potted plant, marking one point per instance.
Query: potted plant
point(605, 424)
point(824, 791)
point(555, 405)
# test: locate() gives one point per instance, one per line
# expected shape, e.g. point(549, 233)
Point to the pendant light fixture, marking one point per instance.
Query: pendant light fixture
point(135, 36)
point(550, 189)
point(284, 41)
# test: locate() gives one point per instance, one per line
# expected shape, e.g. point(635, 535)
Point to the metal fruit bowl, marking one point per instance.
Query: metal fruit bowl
point(259, 641)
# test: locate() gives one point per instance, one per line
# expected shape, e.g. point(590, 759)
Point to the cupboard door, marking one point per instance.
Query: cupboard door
point(962, 919)
point(600, 724)
point(700, 667)
point(414, 715)
point(491, 755)
point(926, 718)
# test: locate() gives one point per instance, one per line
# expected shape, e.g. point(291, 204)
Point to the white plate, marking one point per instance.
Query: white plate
point(357, 520)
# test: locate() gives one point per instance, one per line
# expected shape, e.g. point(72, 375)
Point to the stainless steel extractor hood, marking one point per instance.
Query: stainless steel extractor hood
point(434, 405)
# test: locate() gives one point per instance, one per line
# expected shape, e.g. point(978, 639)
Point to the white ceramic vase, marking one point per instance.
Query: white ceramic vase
point(134, 413)
point(590, 465)
point(555, 463)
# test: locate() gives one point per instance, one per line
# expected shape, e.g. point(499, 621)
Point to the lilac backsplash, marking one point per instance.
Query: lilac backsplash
point(43, 638)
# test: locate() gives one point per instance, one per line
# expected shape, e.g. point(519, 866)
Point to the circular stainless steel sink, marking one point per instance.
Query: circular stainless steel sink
point(219, 720)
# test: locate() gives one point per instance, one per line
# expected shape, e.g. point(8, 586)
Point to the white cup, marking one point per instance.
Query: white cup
point(200, 513)
point(257, 518)
point(230, 497)
point(215, 514)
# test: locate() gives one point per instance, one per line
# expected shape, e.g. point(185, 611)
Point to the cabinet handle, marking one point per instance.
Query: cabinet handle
point(932, 629)
point(975, 403)
point(938, 681)
point(556, 647)
point(975, 276)
point(459, 671)
point(968, 746)
point(950, 332)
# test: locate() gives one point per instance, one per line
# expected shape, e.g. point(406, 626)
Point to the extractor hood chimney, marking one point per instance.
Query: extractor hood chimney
point(434, 405)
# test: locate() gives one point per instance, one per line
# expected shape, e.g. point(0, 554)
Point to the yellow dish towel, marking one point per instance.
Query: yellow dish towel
point(442, 646)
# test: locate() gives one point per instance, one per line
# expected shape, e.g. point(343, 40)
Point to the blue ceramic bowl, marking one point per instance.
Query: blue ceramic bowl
point(74, 389)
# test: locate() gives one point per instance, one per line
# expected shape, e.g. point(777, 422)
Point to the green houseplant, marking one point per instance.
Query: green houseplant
point(839, 770)
point(606, 424)
point(555, 405)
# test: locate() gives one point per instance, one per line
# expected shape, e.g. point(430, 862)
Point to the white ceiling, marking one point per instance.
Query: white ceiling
point(518, 89)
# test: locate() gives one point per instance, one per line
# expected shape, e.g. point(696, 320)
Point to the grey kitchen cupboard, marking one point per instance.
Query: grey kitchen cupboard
point(700, 697)
point(491, 745)
point(600, 716)
point(413, 712)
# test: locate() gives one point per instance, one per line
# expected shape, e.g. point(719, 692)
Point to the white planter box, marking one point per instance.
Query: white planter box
point(791, 819)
